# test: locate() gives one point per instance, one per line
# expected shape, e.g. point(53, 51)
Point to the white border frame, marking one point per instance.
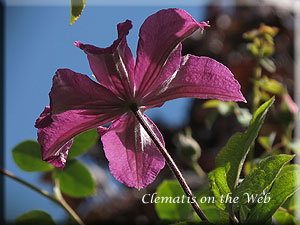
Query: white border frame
point(291, 5)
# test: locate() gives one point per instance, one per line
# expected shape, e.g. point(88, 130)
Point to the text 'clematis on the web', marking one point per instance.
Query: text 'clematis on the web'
point(158, 74)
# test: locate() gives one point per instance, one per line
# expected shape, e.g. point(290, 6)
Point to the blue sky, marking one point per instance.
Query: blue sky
point(38, 41)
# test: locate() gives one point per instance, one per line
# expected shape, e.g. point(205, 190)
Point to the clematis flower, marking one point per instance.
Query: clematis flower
point(159, 74)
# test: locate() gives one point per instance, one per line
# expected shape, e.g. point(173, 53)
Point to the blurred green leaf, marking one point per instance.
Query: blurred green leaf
point(244, 116)
point(248, 167)
point(271, 85)
point(172, 204)
point(211, 103)
point(27, 156)
point(267, 50)
point(225, 108)
point(268, 64)
point(283, 217)
point(250, 35)
point(253, 48)
point(219, 186)
point(289, 168)
point(83, 142)
point(35, 217)
point(265, 29)
point(264, 96)
point(210, 119)
point(284, 186)
point(189, 148)
point(269, 38)
point(267, 141)
point(77, 7)
point(238, 146)
point(293, 204)
point(294, 146)
point(264, 142)
point(75, 180)
point(261, 179)
point(193, 223)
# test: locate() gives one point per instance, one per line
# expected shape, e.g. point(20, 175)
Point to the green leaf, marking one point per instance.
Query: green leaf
point(238, 146)
point(261, 179)
point(171, 203)
point(289, 168)
point(27, 156)
point(219, 186)
point(244, 211)
point(77, 7)
point(35, 217)
point(193, 223)
point(206, 201)
point(75, 180)
point(269, 221)
point(83, 142)
point(284, 217)
point(284, 186)
point(292, 204)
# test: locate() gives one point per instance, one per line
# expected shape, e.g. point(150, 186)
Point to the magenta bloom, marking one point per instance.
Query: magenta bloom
point(159, 74)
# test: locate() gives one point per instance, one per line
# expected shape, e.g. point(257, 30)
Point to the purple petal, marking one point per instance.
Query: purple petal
point(77, 104)
point(197, 77)
point(55, 132)
point(171, 66)
point(159, 35)
point(113, 67)
point(133, 158)
point(59, 158)
point(71, 91)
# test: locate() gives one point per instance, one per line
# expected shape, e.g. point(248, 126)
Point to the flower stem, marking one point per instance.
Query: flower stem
point(63, 204)
point(232, 215)
point(169, 160)
point(199, 171)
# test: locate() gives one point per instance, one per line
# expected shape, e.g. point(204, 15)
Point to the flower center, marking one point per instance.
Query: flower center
point(133, 106)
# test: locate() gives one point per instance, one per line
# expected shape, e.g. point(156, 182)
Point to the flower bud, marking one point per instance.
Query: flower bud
point(189, 148)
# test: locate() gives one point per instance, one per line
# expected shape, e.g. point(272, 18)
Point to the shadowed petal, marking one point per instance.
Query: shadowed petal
point(60, 159)
point(113, 67)
point(72, 91)
point(197, 77)
point(159, 35)
point(133, 158)
point(55, 132)
point(171, 66)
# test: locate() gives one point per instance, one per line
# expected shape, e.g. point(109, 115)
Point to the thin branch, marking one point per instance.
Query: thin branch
point(63, 204)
